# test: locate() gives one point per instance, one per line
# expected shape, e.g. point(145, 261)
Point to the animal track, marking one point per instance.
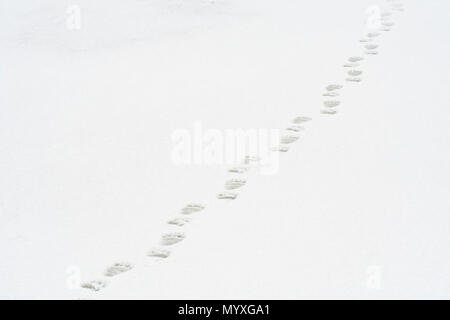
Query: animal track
point(299, 120)
point(118, 268)
point(192, 208)
point(180, 221)
point(159, 253)
point(331, 103)
point(227, 196)
point(288, 139)
point(95, 285)
point(170, 238)
point(331, 94)
point(234, 184)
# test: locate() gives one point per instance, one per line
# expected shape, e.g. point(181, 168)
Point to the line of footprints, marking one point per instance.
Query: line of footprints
point(353, 64)
point(231, 186)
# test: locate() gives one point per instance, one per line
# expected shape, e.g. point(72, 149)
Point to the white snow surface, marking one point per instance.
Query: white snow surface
point(87, 179)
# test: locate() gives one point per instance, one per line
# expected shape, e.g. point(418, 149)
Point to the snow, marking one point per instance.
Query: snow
point(358, 207)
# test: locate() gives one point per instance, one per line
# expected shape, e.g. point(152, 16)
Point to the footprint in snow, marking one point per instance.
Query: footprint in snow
point(288, 139)
point(334, 87)
point(355, 59)
point(373, 34)
point(295, 128)
point(351, 65)
point(95, 285)
point(331, 94)
point(371, 46)
point(332, 90)
point(171, 238)
point(179, 221)
point(331, 103)
point(159, 253)
point(118, 268)
point(328, 111)
point(299, 120)
point(227, 196)
point(192, 208)
point(388, 24)
point(234, 184)
point(353, 79)
point(238, 169)
point(354, 73)
point(372, 52)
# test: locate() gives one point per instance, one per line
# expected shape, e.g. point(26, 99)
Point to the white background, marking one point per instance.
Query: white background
point(86, 176)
